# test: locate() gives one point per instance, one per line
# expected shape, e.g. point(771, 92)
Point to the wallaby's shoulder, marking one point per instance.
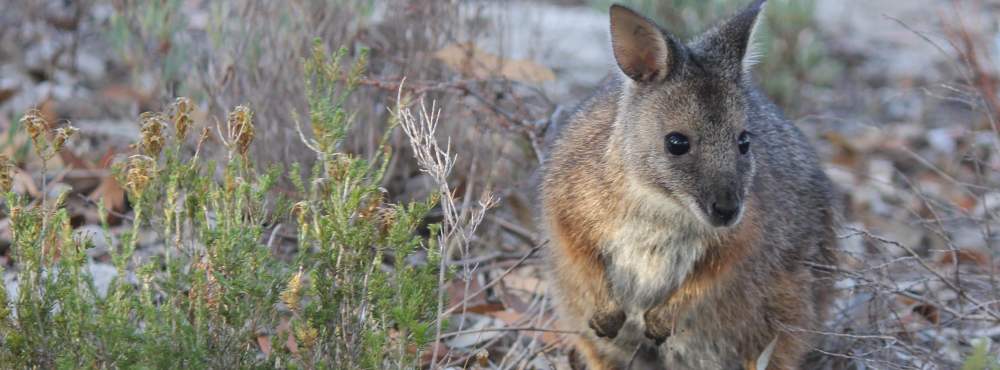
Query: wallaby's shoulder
point(592, 119)
point(580, 149)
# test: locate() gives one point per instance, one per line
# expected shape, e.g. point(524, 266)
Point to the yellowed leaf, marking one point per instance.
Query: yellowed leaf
point(471, 61)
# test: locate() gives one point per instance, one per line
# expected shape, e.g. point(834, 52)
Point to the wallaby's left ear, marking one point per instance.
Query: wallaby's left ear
point(730, 46)
point(643, 51)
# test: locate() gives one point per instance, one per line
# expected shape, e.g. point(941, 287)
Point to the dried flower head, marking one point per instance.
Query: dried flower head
point(290, 296)
point(211, 291)
point(6, 174)
point(385, 217)
point(34, 123)
point(181, 108)
point(241, 131)
point(140, 171)
point(300, 210)
point(306, 334)
point(37, 126)
point(62, 135)
point(151, 139)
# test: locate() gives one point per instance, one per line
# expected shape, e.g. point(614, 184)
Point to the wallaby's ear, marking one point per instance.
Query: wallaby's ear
point(730, 46)
point(641, 49)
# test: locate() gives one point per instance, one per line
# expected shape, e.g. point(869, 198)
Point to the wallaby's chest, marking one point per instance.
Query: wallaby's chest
point(649, 257)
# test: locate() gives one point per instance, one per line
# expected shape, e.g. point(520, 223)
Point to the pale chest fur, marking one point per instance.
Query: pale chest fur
point(654, 247)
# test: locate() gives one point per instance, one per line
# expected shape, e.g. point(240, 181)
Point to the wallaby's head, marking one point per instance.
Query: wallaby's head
point(682, 122)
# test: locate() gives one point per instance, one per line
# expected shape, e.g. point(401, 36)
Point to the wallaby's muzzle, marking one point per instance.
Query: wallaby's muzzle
point(725, 209)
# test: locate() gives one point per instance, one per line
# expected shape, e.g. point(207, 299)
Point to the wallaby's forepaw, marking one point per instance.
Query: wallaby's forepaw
point(658, 326)
point(658, 336)
point(607, 324)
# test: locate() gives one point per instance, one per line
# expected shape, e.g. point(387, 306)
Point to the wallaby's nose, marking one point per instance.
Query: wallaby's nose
point(724, 210)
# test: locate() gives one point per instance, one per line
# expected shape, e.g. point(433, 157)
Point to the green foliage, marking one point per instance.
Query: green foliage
point(981, 359)
point(351, 296)
point(151, 27)
point(793, 52)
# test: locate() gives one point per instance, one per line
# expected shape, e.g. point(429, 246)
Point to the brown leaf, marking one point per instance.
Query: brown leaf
point(127, 94)
point(428, 353)
point(965, 256)
point(928, 312)
point(264, 342)
point(846, 154)
point(457, 292)
point(285, 326)
point(7, 93)
point(511, 317)
point(469, 60)
point(112, 195)
point(71, 160)
point(485, 308)
point(48, 111)
point(84, 181)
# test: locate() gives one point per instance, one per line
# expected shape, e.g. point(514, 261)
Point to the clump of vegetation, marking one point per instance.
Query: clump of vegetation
point(359, 291)
point(793, 53)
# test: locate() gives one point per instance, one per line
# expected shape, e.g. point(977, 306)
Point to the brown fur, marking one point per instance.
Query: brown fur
point(748, 285)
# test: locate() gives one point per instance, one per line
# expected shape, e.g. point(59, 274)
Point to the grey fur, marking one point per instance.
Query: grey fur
point(613, 194)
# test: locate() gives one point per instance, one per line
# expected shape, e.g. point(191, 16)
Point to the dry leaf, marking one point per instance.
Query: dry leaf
point(470, 61)
point(264, 342)
point(71, 160)
point(425, 357)
point(928, 312)
point(109, 191)
point(285, 327)
point(125, 93)
point(485, 308)
point(7, 93)
point(511, 317)
point(522, 283)
point(112, 195)
point(846, 154)
point(48, 111)
point(457, 291)
point(965, 256)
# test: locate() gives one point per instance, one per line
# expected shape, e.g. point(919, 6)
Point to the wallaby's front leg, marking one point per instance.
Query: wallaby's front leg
point(607, 320)
point(608, 316)
point(660, 320)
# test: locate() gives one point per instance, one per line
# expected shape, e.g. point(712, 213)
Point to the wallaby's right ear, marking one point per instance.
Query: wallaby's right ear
point(641, 49)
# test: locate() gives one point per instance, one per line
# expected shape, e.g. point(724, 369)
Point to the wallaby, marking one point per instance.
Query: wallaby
point(691, 226)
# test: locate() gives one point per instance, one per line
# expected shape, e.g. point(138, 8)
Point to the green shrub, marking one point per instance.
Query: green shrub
point(350, 296)
point(981, 358)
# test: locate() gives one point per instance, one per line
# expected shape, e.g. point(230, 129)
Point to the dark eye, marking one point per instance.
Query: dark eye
point(677, 143)
point(744, 142)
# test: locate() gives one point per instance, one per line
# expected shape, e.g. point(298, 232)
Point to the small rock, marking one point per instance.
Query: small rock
point(989, 205)
point(881, 172)
point(102, 274)
point(942, 140)
point(90, 66)
point(41, 53)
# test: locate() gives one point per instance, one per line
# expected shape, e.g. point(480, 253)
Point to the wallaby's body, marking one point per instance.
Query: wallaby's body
point(686, 216)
